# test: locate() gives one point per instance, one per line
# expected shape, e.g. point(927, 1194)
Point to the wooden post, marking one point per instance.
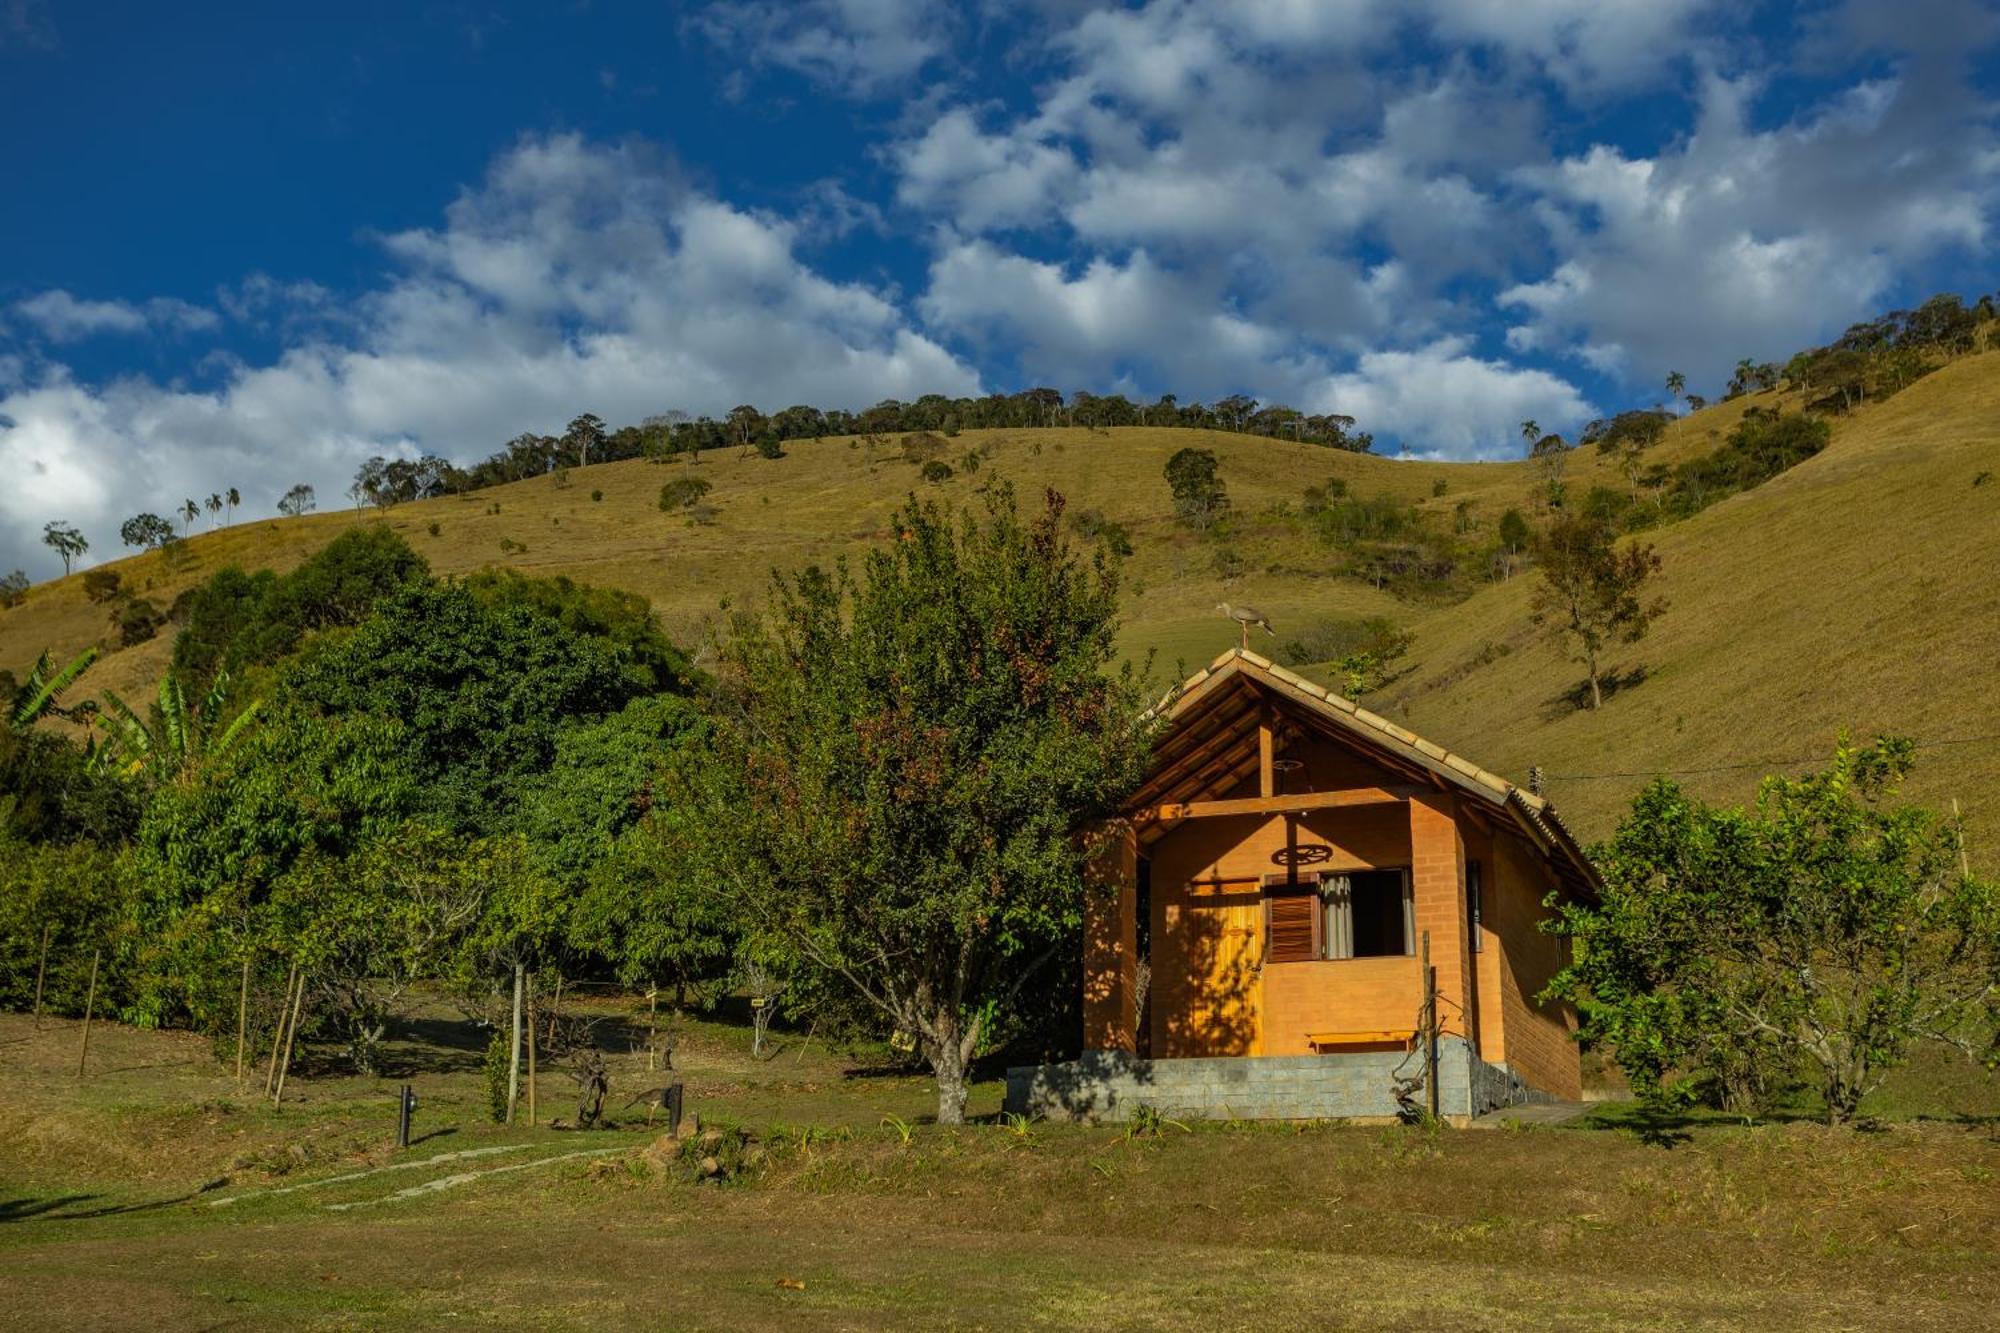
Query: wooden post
point(278, 1035)
point(41, 970)
point(291, 1037)
point(1430, 1030)
point(514, 1052)
point(532, 1043)
point(652, 1025)
point(1965, 857)
point(89, 1006)
point(242, 1019)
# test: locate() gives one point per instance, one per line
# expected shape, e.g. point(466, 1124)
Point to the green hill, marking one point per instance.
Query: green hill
point(1860, 589)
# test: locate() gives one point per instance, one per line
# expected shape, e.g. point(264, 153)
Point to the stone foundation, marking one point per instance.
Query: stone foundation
point(1110, 1085)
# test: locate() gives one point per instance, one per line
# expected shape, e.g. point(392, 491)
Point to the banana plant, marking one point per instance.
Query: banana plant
point(41, 694)
point(184, 737)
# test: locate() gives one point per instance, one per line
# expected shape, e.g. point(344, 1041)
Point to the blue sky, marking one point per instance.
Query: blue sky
point(249, 245)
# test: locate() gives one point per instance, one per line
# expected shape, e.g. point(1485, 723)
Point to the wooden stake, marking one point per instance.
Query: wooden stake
point(652, 1026)
point(514, 1052)
point(41, 970)
point(242, 1019)
point(801, 1056)
point(1430, 1030)
point(278, 1035)
point(1964, 857)
point(291, 1037)
point(533, 1042)
point(89, 1006)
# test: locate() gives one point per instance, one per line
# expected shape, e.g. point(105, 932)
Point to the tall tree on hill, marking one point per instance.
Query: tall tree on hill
point(906, 764)
point(66, 541)
point(190, 511)
point(298, 500)
point(231, 497)
point(1195, 479)
point(584, 434)
point(214, 505)
point(1590, 596)
point(146, 530)
point(1677, 384)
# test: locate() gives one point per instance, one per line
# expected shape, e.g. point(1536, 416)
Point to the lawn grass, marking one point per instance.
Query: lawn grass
point(111, 1183)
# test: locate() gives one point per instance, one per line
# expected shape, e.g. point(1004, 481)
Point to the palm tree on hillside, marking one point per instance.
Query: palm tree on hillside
point(1676, 385)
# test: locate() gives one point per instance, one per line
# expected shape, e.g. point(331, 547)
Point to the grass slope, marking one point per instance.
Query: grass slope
point(1859, 590)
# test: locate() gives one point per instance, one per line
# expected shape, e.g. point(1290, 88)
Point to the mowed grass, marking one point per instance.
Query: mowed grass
point(108, 1216)
point(1861, 590)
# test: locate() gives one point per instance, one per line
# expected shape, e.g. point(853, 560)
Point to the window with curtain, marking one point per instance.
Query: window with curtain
point(1369, 914)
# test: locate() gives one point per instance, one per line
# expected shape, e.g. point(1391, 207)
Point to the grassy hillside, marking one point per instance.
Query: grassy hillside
point(1857, 590)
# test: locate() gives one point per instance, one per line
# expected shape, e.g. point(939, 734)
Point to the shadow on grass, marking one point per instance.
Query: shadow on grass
point(1576, 699)
point(63, 1208)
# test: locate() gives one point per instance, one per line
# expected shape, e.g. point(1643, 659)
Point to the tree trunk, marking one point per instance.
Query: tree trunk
point(948, 1062)
point(1596, 691)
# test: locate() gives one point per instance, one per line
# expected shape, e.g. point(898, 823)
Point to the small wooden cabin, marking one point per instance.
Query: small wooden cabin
point(1276, 882)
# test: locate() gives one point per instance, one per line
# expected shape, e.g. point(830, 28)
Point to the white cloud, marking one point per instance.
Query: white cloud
point(1744, 242)
point(63, 318)
point(1442, 400)
point(575, 277)
point(863, 47)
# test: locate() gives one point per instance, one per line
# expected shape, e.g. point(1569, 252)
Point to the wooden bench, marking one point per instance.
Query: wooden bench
point(1387, 1037)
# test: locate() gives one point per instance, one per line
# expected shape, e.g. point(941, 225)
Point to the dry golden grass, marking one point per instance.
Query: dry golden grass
point(1859, 590)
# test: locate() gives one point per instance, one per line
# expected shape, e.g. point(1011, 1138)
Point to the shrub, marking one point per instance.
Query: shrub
point(936, 470)
point(102, 585)
point(433, 529)
point(1092, 525)
point(1439, 487)
point(495, 1067)
point(921, 447)
point(136, 621)
point(512, 547)
point(597, 497)
point(14, 588)
point(683, 493)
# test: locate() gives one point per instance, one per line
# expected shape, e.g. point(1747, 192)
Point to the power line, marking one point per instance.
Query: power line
point(1754, 763)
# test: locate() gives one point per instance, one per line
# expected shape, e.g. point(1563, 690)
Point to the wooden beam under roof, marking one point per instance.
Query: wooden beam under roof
point(1275, 805)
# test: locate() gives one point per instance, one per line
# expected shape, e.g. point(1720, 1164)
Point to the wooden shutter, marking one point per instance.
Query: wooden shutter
point(1293, 920)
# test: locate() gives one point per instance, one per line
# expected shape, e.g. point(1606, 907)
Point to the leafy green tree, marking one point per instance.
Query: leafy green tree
point(146, 530)
point(482, 691)
point(66, 541)
point(368, 927)
point(1591, 593)
point(13, 588)
point(76, 894)
point(1819, 936)
point(906, 764)
point(1194, 477)
point(622, 621)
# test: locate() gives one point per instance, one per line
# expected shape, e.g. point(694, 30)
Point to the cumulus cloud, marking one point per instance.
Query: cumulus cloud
point(61, 317)
point(577, 276)
point(1443, 401)
point(1744, 242)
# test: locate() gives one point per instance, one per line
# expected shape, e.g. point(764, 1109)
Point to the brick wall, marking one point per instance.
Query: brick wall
point(1538, 1044)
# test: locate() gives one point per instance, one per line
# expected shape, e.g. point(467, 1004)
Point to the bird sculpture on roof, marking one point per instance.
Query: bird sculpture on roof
point(1245, 617)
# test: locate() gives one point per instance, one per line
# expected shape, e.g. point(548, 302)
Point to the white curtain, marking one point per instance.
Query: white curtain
point(1335, 892)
